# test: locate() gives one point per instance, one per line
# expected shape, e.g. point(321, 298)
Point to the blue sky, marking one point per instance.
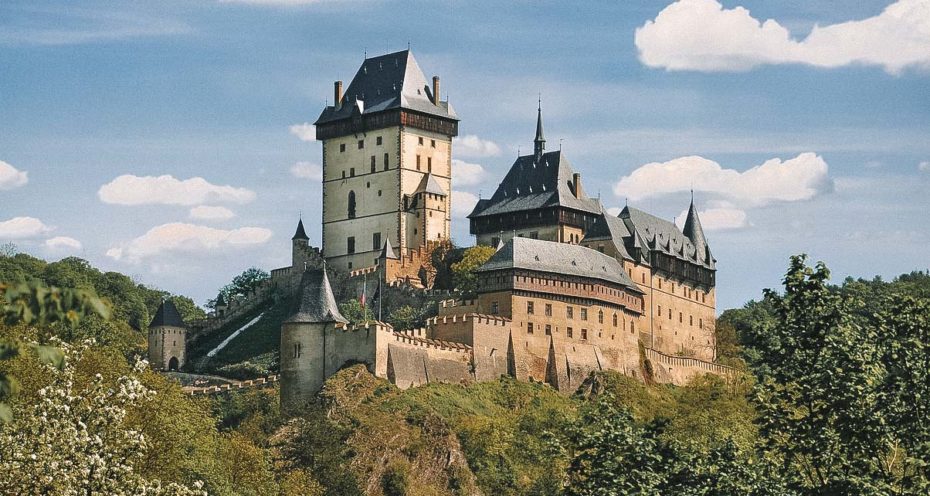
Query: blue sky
point(647, 100)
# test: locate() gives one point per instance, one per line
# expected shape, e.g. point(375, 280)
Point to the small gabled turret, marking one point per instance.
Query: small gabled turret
point(300, 234)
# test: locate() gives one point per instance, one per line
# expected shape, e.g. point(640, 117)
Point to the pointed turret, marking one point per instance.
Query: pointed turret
point(539, 143)
point(316, 303)
point(387, 252)
point(694, 231)
point(300, 234)
point(167, 315)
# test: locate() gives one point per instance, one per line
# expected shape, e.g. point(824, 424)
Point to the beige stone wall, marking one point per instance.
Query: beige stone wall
point(557, 232)
point(165, 343)
point(435, 156)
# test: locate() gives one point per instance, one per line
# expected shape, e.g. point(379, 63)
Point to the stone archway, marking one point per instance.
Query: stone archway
point(173, 363)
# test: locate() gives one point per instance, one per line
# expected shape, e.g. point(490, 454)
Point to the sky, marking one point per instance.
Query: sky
point(172, 140)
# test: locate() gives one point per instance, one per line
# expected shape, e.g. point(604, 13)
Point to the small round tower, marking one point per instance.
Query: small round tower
point(167, 338)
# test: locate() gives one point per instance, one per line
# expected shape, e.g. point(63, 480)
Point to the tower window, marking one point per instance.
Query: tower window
point(350, 245)
point(584, 334)
point(342, 147)
point(352, 172)
point(568, 331)
point(429, 164)
point(570, 312)
point(361, 144)
point(421, 140)
point(529, 328)
point(432, 143)
point(615, 320)
point(548, 330)
point(351, 209)
point(378, 141)
point(372, 163)
point(548, 310)
point(376, 241)
point(600, 316)
point(529, 307)
point(418, 162)
point(495, 308)
point(385, 161)
point(343, 174)
point(584, 314)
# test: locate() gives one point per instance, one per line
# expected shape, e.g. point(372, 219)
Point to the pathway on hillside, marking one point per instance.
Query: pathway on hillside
point(232, 336)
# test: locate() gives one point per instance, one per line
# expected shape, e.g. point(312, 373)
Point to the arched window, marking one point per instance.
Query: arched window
point(351, 204)
point(600, 317)
point(615, 320)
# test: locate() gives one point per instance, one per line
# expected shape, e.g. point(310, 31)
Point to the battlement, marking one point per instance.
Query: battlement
point(478, 318)
point(679, 370)
point(437, 344)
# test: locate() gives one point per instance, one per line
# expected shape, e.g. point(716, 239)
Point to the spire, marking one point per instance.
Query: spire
point(539, 143)
point(300, 234)
point(694, 231)
point(167, 315)
point(388, 251)
point(315, 301)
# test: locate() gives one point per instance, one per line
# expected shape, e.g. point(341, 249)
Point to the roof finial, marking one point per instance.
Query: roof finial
point(539, 143)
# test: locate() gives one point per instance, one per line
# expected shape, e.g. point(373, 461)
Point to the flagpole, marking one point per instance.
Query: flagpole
point(380, 289)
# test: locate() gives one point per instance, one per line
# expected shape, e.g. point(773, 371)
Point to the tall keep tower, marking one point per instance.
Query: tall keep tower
point(167, 338)
point(387, 162)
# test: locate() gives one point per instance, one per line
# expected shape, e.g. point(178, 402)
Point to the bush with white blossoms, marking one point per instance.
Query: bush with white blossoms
point(75, 442)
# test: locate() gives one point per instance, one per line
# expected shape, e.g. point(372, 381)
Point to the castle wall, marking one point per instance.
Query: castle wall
point(669, 369)
point(412, 362)
point(165, 343)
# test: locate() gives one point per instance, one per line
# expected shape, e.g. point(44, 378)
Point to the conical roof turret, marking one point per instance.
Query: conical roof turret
point(694, 231)
point(316, 303)
point(167, 315)
point(300, 234)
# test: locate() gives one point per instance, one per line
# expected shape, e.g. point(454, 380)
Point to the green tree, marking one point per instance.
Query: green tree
point(404, 317)
point(355, 312)
point(463, 272)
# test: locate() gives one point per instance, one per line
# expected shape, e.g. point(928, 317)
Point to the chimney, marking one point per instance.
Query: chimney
point(435, 90)
point(576, 180)
point(337, 95)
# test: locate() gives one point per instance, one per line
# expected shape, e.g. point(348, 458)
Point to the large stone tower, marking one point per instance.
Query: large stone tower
point(167, 338)
point(304, 339)
point(387, 162)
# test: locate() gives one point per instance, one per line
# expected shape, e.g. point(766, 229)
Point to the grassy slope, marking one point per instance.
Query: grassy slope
point(501, 428)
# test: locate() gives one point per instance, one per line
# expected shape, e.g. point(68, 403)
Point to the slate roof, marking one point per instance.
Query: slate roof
point(388, 82)
point(300, 233)
point(429, 184)
point(693, 229)
point(167, 315)
point(388, 251)
point(316, 303)
point(559, 258)
point(530, 186)
point(665, 237)
point(612, 229)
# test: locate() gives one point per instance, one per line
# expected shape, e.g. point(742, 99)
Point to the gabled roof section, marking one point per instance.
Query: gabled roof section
point(429, 184)
point(316, 303)
point(559, 258)
point(665, 237)
point(300, 233)
point(388, 82)
point(167, 315)
point(388, 251)
point(530, 185)
point(611, 229)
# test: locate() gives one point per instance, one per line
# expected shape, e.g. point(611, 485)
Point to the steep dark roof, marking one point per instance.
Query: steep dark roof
point(316, 303)
point(388, 82)
point(611, 229)
point(167, 315)
point(300, 234)
point(530, 186)
point(220, 300)
point(429, 184)
point(693, 229)
point(559, 258)
point(665, 237)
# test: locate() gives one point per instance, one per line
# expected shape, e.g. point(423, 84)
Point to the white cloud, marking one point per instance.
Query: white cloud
point(473, 146)
point(307, 170)
point(304, 132)
point(167, 190)
point(184, 238)
point(22, 228)
point(467, 174)
point(719, 216)
point(924, 166)
point(63, 243)
point(800, 178)
point(205, 212)
point(463, 203)
point(10, 177)
point(701, 35)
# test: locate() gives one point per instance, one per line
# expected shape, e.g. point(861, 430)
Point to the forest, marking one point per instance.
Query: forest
point(833, 397)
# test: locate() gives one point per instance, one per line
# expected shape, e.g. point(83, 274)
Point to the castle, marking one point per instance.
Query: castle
point(570, 290)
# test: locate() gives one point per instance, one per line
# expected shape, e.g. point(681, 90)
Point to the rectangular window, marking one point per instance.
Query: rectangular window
point(429, 164)
point(548, 310)
point(361, 144)
point(420, 140)
point(529, 328)
point(681, 318)
point(376, 241)
point(660, 310)
point(569, 312)
point(342, 147)
point(385, 161)
point(495, 308)
point(584, 334)
point(373, 165)
point(350, 245)
point(529, 307)
point(584, 314)
point(343, 174)
point(418, 162)
point(432, 143)
point(568, 331)
point(378, 141)
point(352, 172)
point(548, 330)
